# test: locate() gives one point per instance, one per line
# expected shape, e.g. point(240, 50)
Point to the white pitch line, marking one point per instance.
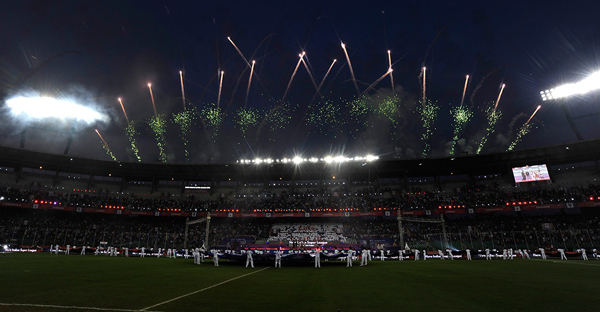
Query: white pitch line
point(64, 307)
point(567, 262)
point(200, 290)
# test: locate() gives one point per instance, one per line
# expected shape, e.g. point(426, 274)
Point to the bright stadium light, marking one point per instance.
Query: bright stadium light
point(38, 107)
point(584, 86)
point(297, 160)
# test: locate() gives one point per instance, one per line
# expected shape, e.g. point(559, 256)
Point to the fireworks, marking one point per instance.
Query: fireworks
point(350, 66)
point(499, 96)
point(184, 120)
point(424, 85)
point(246, 118)
point(213, 117)
point(391, 74)
point(309, 73)
point(106, 147)
point(220, 88)
point(239, 52)
point(278, 117)
point(462, 115)
point(523, 131)
point(182, 90)
point(492, 116)
point(324, 114)
point(292, 78)
point(464, 90)
point(249, 83)
point(158, 124)
point(152, 97)
point(131, 133)
point(376, 82)
point(428, 111)
point(124, 113)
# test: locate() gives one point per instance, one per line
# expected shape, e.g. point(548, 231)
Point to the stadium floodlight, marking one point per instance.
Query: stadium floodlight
point(297, 160)
point(371, 158)
point(39, 107)
point(584, 86)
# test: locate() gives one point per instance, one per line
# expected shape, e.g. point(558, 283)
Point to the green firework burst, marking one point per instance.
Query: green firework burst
point(184, 120)
point(246, 118)
point(461, 115)
point(523, 131)
point(131, 133)
point(493, 117)
point(428, 112)
point(158, 124)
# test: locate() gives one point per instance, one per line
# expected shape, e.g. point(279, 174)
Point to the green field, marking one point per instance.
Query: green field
point(129, 284)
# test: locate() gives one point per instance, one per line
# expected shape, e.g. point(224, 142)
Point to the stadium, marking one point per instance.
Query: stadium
point(132, 179)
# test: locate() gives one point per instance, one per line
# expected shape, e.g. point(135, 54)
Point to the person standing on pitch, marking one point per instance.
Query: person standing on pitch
point(349, 258)
point(400, 255)
point(143, 253)
point(441, 253)
point(278, 254)
point(417, 251)
point(126, 252)
point(56, 250)
point(249, 259)
point(364, 257)
point(488, 255)
point(51, 250)
point(468, 254)
point(318, 257)
point(185, 254)
point(424, 254)
point(543, 253)
point(583, 254)
point(450, 255)
point(526, 254)
point(97, 251)
point(83, 250)
point(67, 252)
point(562, 254)
point(215, 257)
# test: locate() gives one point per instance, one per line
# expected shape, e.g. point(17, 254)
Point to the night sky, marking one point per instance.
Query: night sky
point(98, 51)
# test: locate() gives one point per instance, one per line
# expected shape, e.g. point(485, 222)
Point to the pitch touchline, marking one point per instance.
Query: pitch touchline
point(201, 290)
point(63, 307)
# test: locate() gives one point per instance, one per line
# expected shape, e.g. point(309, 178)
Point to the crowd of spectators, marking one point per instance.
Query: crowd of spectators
point(365, 199)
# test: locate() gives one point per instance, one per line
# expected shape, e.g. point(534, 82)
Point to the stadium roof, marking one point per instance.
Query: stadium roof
point(469, 164)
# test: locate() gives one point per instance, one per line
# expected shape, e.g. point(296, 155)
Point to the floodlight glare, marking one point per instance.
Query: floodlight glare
point(297, 160)
point(586, 85)
point(38, 107)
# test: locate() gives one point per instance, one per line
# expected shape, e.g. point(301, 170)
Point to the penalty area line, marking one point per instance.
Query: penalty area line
point(201, 290)
point(63, 307)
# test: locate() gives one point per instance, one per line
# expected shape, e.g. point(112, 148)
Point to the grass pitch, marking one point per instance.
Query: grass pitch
point(102, 283)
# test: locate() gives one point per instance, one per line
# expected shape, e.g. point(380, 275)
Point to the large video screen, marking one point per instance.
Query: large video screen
point(531, 173)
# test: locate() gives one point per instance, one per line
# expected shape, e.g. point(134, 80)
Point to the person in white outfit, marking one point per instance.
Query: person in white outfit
point(349, 258)
point(169, 253)
point(562, 254)
point(504, 254)
point(278, 255)
point(143, 254)
point(126, 252)
point(51, 249)
point(56, 249)
point(249, 259)
point(364, 257)
point(584, 255)
point(510, 254)
point(424, 255)
point(83, 250)
point(185, 254)
point(468, 254)
point(450, 255)
point(417, 251)
point(159, 252)
point(97, 251)
point(526, 254)
point(67, 252)
point(318, 258)
point(400, 255)
point(543, 253)
point(441, 253)
point(215, 257)
point(488, 255)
